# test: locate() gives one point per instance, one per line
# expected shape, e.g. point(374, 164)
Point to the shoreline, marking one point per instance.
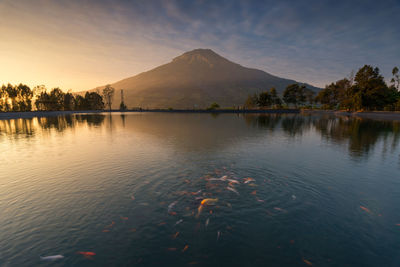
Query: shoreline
point(377, 115)
point(33, 114)
point(374, 115)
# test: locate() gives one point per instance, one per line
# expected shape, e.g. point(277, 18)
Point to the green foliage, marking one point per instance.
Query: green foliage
point(296, 94)
point(213, 106)
point(369, 92)
point(251, 101)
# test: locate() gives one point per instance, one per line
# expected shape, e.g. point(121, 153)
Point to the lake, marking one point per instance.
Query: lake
point(287, 190)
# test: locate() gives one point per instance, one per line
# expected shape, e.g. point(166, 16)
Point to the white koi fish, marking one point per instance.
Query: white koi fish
point(233, 181)
point(52, 258)
point(207, 222)
point(232, 189)
point(178, 222)
point(218, 235)
point(170, 206)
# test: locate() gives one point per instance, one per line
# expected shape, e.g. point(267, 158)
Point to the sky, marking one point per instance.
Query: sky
point(79, 45)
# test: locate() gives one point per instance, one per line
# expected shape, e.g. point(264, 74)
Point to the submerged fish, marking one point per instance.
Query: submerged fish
point(52, 258)
point(293, 197)
point(185, 248)
point(207, 222)
point(307, 262)
point(218, 235)
point(170, 206)
point(178, 222)
point(365, 209)
point(232, 189)
point(87, 254)
point(132, 197)
point(223, 178)
point(254, 192)
point(175, 235)
point(260, 200)
point(248, 180)
point(208, 201)
point(233, 181)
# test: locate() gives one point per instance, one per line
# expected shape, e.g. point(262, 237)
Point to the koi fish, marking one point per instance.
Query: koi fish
point(105, 231)
point(124, 218)
point(233, 181)
point(223, 178)
point(293, 197)
point(170, 206)
point(110, 225)
point(196, 193)
point(254, 192)
point(365, 209)
point(133, 230)
point(218, 235)
point(233, 190)
point(175, 235)
point(278, 209)
point(260, 200)
point(208, 201)
point(173, 213)
point(178, 222)
point(248, 180)
point(132, 197)
point(171, 249)
point(207, 222)
point(161, 223)
point(52, 258)
point(307, 262)
point(185, 248)
point(199, 210)
point(86, 253)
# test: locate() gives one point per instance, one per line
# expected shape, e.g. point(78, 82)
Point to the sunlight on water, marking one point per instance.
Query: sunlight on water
point(126, 190)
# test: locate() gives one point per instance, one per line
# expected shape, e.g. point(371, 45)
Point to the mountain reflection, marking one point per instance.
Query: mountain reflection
point(203, 131)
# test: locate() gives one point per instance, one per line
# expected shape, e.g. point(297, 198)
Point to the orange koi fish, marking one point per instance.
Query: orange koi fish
point(365, 209)
point(86, 253)
point(254, 192)
point(185, 248)
point(175, 235)
point(307, 262)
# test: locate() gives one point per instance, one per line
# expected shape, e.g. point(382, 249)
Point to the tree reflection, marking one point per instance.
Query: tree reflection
point(359, 134)
point(28, 127)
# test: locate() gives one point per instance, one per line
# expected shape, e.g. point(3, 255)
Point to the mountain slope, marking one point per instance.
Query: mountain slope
point(196, 79)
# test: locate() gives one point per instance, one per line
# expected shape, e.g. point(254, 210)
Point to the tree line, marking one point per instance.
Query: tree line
point(294, 94)
point(366, 90)
point(17, 98)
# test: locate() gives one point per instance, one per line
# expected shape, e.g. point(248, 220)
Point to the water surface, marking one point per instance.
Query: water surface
point(326, 190)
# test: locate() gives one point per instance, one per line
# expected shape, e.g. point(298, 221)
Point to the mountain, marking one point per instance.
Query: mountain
point(196, 79)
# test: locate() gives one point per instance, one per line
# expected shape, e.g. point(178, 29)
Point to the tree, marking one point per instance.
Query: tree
point(94, 101)
point(264, 99)
point(396, 78)
point(69, 101)
point(275, 100)
point(213, 106)
point(108, 95)
point(371, 89)
point(251, 101)
point(122, 106)
point(24, 97)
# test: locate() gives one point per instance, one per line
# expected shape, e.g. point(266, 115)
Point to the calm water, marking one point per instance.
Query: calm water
point(326, 190)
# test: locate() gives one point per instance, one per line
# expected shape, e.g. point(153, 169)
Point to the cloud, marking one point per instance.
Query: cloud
point(84, 44)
